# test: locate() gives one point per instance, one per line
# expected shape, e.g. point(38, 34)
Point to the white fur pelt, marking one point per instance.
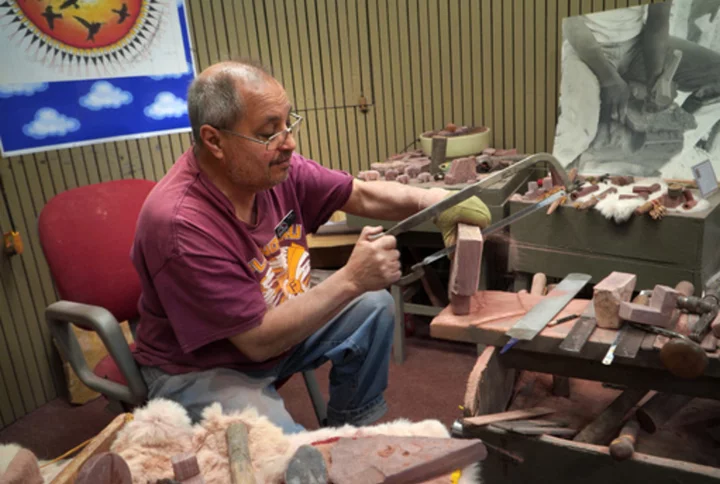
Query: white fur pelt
point(612, 208)
point(48, 471)
point(162, 429)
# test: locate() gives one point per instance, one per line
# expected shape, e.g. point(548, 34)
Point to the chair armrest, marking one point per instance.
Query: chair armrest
point(60, 314)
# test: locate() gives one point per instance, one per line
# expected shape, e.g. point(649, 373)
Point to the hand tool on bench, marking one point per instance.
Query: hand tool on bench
point(434, 210)
point(681, 356)
point(710, 305)
point(628, 339)
point(581, 330)
point(544, 311)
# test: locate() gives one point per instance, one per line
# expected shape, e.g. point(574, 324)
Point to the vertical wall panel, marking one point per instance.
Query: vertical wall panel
point(420, 64)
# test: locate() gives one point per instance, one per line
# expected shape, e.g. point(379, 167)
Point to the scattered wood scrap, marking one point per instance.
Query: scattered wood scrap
point(481, 420)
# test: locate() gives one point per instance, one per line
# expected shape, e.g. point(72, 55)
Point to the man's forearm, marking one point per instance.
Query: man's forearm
point(384, 200)
point(588, 49)
point(655, 41)
point(293, 321)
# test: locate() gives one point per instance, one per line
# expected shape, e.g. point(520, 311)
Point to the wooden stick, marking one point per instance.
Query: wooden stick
point(608, 423)
point(481, 420)
point(241, 469)
point(539, 282)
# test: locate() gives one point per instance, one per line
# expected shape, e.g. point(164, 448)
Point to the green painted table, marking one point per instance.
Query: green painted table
point(678, 247)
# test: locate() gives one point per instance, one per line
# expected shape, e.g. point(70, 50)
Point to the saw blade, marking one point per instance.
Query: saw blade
point(496, 227)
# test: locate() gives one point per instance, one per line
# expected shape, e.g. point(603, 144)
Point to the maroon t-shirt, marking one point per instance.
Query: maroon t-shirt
point(206, 275)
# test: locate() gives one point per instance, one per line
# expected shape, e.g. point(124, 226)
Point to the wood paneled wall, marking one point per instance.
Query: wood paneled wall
point(418, 64)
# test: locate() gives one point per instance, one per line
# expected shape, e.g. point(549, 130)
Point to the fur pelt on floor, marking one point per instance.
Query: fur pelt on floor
point(47, 470)
point(162, 429)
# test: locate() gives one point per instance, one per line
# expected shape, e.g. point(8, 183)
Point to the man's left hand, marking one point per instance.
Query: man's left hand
point(471, 211)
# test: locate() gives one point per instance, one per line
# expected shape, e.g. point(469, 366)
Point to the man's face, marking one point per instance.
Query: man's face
point(251, 164)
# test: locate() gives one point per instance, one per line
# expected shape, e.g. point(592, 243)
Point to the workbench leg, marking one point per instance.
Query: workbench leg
point(399, 332)
point(490, 386)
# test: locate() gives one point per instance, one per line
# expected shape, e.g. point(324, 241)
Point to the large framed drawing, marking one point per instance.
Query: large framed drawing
point(640, 90)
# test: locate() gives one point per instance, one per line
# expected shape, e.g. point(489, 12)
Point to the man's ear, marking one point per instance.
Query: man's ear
point(211, 139)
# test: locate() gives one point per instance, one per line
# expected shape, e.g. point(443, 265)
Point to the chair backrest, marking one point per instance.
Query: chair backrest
point(86, 234)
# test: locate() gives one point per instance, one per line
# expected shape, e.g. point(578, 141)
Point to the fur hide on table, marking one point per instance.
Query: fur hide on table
point(612, 208)
point(162, 429)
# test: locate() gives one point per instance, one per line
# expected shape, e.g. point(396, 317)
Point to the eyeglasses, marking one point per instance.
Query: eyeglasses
point(278, 139)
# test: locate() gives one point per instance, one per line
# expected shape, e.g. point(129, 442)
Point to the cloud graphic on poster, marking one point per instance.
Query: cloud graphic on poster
point(175, 75)
point(104, 95)
point(49, 122)
point(166, 105)
point(10, 90)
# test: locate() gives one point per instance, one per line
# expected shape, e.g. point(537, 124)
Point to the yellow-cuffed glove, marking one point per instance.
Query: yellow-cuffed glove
point(472, 211)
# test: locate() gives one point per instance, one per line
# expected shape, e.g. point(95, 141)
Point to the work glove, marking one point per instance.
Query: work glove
point(470, 211)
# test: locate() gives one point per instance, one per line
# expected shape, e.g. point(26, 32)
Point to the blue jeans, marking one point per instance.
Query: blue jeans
point(357, 341)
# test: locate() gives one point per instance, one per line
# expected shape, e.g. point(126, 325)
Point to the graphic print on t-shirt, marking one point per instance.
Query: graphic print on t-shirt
point(284, 268)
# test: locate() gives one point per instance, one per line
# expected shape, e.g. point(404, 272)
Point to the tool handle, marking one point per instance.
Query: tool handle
point(694, 304)
point(623, 447)
point(701, 328)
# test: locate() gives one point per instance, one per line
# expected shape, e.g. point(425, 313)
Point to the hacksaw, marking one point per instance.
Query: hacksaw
point(494, 228)
point(450, 201)
point(543, 312)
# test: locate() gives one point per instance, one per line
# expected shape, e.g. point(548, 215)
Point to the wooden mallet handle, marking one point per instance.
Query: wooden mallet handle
point(623, 447)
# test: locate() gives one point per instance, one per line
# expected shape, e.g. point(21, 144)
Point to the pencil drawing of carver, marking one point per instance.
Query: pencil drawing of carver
point(635, 99)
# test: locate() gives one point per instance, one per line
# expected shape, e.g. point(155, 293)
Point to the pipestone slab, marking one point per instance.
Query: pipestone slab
point(664, 299)
point(465, 270)
point(424, 177)
point(462, 170)
point(369, 175)
point(465, 273)
point(386, 459)
point(412, 171)
point(547, 183)
point(391, 174)
point(186, 469)
point(105, 468)
point(608, 294)
point(638, 313)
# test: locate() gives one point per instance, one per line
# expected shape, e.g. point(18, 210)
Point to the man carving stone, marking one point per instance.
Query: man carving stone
point(226, 307)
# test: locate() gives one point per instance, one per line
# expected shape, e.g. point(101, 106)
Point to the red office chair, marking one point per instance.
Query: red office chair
point(86, 234)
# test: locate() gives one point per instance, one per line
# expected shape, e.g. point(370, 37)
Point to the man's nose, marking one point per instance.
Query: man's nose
point(289, 144)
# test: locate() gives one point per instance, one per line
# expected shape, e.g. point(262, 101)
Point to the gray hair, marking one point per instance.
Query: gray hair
point(214, 99)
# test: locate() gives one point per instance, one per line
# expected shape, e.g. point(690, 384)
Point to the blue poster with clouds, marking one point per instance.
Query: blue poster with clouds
point(40, 116)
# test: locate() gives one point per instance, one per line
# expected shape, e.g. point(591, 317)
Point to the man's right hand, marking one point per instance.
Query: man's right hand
point(375, 262)
point(614, 96)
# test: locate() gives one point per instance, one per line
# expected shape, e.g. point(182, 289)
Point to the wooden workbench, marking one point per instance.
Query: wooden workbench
point(522, 378)
point(542, 354)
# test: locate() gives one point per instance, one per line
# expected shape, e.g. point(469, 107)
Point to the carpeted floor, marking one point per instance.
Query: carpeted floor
point(430, 384)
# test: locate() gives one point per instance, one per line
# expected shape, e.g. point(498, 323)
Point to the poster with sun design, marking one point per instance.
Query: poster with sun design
point(56, 40)
point(90, 71)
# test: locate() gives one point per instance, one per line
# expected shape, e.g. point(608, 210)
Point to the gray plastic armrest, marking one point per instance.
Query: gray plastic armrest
point(60, 314)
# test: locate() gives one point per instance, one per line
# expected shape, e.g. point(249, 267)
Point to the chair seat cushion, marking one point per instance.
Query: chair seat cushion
point(109, 370)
